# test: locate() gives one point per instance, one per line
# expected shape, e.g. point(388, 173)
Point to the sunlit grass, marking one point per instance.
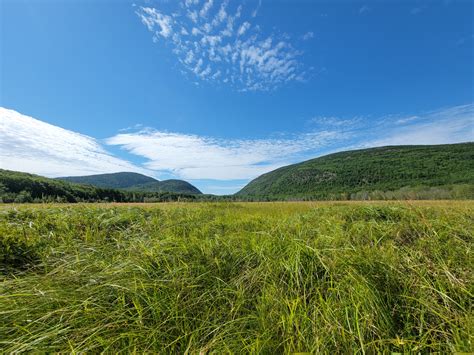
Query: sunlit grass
point(235, 277)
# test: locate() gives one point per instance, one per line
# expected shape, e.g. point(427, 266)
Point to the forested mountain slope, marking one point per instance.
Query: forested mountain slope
point(23, 187)
point(340, 175)
point(133, 182)
point(112, 181)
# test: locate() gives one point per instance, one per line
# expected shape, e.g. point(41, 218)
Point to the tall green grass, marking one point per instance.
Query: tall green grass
point(237, 278)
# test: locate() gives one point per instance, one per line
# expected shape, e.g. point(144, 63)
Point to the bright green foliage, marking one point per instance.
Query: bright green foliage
point(399, 172)
point(134, 182)
point(237, 278)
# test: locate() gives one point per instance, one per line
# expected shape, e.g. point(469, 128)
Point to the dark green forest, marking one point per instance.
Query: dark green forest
point(133, 182)
point(172, 185)
point(22, 187)
point(110, 181)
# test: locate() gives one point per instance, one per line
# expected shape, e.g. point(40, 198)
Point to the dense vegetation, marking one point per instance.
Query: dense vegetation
point(134, 182)
point(237, 278)
point(110, 181)
point(22, 187)
point(415, 172)
point(171, 185)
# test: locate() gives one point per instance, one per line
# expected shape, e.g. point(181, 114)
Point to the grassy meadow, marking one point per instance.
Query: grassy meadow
point(283, 277)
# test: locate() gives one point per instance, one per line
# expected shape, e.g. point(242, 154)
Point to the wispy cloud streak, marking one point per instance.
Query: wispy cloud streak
point(196, 157)
point(30, 145)
point(449, 125)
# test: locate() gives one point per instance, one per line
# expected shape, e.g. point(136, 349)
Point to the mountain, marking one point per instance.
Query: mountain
point(115, 180)
point(349, 174)
point(171, 185)
point(133, 182)
point(23, 187)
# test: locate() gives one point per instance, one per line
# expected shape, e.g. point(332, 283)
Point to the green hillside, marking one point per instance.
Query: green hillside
point(22, 187)
point(444, 170)
point(111, 181)
point(171, 185)
point(133, 182)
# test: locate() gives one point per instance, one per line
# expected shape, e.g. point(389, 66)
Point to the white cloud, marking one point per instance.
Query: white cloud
point(221, 15)
point(451, 125)
point(193, 16)
point(205, 9)
point(333, 121)
point(30, 145)
point(156, 22)
point(308, 35)
point(195, 157)
point(229, 44)
point(255, 11)
point(189, 57)
point(243, 28)
point(189, 3)
point(405, 120)
point(443, 126)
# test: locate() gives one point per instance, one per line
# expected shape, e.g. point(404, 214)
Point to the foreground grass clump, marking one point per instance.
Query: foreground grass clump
point(225, 278)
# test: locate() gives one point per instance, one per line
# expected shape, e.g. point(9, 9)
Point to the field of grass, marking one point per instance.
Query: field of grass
point(237, 277)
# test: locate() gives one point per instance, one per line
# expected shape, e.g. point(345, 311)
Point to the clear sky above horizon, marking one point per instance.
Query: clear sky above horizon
point(219, 92)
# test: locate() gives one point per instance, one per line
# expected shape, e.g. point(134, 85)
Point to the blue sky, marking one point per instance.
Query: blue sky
point(218, 92)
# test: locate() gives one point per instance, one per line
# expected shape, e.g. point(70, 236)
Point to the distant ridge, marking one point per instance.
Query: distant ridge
point(114, 180)
point(345, 174)
point(22, 187)
point(133, 182)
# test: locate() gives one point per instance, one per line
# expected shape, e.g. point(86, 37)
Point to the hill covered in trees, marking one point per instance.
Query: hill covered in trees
point(22, 187)
point(393, 172)
point(133, 182)
point(172, 185)
point(111, 181)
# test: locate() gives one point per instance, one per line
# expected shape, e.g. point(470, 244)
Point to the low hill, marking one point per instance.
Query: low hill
point(112, 181)
point(372, 171)
point(23, 187)
point(171, 185)
point(133, 182)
